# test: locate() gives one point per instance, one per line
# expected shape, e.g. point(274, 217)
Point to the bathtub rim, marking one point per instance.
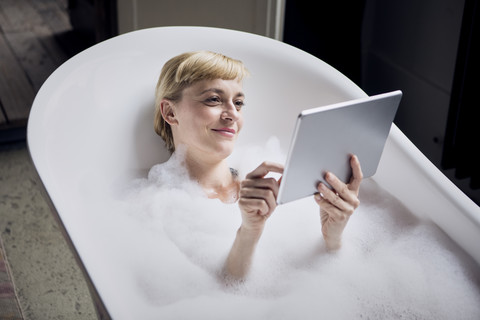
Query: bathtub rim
point(450, 209)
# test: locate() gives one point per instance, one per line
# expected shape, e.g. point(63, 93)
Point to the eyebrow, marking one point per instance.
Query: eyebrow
point(220, 91)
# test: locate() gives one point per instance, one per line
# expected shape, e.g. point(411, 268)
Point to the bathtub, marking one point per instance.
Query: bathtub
point(91, 128)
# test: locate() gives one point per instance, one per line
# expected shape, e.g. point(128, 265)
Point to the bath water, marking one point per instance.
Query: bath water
point(391, 265)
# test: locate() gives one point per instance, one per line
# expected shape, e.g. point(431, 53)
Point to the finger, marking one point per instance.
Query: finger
point(341, 188)
point(322, 203)
point(263, 169)
point(357, 174)
point(329, 211)
point(262, 206)
point(265, 195)
point(264, 183)
point(256, 193)
point(257, 206)
point(334, 198)
point(271, 203)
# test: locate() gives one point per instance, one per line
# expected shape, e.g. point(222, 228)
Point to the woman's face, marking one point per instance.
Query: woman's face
point(209, 117)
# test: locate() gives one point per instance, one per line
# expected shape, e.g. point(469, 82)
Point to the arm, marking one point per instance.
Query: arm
point(337, 205)
point(240, 257)
point(257, 202)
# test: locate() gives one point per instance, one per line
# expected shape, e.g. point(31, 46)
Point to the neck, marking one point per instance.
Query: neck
point(208, 174)
point(214, 177)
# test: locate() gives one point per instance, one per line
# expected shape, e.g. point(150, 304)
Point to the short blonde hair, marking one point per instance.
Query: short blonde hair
point(183, 71)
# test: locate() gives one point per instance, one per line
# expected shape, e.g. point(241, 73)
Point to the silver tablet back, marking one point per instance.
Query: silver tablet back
point(325, 138)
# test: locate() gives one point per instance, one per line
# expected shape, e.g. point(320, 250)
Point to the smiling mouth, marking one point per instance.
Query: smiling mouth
point(225, 130)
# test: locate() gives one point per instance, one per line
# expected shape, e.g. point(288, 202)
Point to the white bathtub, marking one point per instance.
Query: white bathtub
point(91, 127)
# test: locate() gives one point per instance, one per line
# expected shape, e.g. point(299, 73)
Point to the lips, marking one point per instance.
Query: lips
point(225, 131)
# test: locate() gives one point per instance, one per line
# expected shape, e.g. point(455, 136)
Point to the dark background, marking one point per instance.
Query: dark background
point(427, 49)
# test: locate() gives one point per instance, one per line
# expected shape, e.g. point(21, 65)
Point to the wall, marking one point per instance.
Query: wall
point(264, 17)
point(412, 45)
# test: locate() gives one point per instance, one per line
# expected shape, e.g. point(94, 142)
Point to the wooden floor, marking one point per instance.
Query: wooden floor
point(31, 48)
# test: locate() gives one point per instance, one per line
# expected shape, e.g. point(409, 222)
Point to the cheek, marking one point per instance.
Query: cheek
point(209, 115)
point(240, 122)
point(201, 117)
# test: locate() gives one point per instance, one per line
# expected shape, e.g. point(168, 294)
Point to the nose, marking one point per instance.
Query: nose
point(230, 112)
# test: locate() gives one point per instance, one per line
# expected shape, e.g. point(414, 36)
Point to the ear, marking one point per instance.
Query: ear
point(168, 112)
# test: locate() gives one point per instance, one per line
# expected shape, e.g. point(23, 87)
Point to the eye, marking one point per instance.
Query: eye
point(213, 101)
point(239, 104)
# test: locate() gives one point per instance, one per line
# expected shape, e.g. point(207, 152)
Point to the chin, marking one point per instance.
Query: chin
point(224, 151)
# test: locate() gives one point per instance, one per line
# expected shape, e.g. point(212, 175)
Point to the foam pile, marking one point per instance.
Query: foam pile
point(392, 265)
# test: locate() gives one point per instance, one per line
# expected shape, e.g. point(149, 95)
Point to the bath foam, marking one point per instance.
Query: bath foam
point(391, 264)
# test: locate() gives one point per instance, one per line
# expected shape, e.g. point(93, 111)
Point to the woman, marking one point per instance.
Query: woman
point(198, 107)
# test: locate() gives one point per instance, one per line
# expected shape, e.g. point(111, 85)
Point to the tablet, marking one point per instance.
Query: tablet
point(325, 138)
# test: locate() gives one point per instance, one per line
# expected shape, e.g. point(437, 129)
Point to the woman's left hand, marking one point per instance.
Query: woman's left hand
point(338, 204)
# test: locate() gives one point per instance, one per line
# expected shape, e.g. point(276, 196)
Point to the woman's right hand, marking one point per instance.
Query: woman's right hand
point(257, 201)
point(258, 196)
